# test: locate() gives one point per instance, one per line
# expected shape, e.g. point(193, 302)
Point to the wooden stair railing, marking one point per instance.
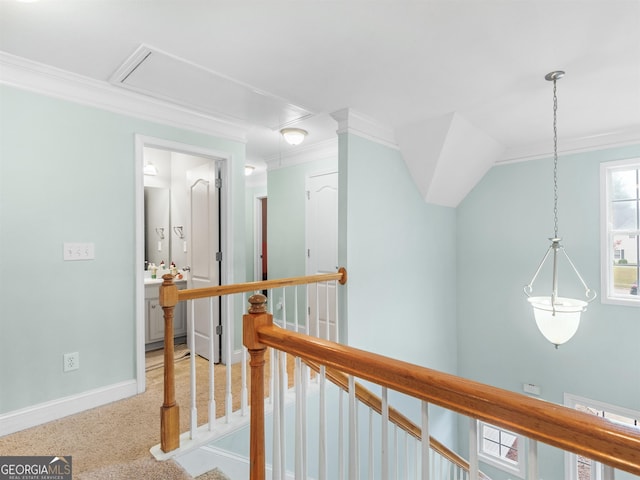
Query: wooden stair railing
point(169, 297)
point(596, 438)
point(374, 402)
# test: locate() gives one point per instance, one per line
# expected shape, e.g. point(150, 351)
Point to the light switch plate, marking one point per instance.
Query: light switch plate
point(78, 251)
point(531, 388)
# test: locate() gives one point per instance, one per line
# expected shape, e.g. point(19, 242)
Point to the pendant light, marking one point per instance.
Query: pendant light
point(557, 317)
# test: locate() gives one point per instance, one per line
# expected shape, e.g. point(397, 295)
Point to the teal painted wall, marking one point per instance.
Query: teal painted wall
point(503, 226)
point(67, 175)
point(400, 254)
point(286, 229)
point(286, 216)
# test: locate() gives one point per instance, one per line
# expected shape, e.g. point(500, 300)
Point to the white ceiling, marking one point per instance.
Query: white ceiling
point(408, 65)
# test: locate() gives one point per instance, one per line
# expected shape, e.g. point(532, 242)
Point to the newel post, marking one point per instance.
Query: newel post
point(169, 412)
point(257, 317)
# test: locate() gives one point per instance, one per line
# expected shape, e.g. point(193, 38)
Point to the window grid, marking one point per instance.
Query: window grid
point(621, 231)
point(582, 468)
point(500, 448)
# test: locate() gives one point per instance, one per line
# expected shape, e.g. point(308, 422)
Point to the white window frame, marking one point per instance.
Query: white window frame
point(606, 235)
point(516, 468)
point(572, 401)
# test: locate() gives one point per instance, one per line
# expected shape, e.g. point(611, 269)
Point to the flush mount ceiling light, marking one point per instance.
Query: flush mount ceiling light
point(293, 136)
point(557, 317)
point(248, 170)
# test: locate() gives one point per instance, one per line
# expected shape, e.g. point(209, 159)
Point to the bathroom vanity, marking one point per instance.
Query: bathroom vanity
point(154, 315)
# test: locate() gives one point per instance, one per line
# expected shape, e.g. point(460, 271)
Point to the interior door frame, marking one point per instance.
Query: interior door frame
point(258, 215)
point(226, 240)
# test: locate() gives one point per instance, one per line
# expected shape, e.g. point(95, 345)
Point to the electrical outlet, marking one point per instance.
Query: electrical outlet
point(71, 361)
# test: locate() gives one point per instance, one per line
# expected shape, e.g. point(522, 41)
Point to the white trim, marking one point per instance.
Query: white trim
point(305, 154)
point(40, 78)
point(621, 138)
point(62, 407)
point(356, 123)
point(517, 469)
point(605, 261)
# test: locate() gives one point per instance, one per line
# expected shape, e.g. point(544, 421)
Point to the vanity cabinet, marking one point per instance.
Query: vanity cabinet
point(154, 315)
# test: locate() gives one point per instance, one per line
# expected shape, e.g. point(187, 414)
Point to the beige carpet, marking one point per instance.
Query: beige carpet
point(113, 441)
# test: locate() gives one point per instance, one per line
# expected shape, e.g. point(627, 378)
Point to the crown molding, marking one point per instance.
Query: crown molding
point(568, 146)
point(40, 78)
point(327, 149)
point(350, 121)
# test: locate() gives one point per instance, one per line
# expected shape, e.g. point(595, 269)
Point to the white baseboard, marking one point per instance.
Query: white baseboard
point(46, 412)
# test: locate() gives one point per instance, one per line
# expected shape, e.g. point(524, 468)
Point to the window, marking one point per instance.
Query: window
point(579, 467)
point(620, 238)
point(501, 448)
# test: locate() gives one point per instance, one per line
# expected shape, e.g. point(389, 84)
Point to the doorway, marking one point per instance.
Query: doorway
point(195, 236)
point(260, 239)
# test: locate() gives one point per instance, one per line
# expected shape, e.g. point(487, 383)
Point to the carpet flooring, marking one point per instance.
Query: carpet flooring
point(113, 441)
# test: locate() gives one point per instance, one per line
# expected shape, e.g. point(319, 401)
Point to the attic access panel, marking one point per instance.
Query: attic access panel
point(170, 78)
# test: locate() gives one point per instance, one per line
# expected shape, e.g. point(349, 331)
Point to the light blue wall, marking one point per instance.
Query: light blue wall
point(503, 226)
point(67, 175)
point(286, 228)
point(401, 260)
point(286, 216)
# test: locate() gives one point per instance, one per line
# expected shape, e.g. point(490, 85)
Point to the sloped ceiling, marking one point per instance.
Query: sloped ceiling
point(460, 84)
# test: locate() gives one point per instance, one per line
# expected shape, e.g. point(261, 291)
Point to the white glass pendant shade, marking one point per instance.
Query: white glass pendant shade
point(560, 322)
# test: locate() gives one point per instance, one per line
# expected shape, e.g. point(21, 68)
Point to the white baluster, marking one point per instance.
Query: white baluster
point(285, 375)
point(272, 355)
point(327, 315)
point(473, 449)
point(384, 475)
point(395, 452)
point(371, 452)
point(276, 419)
point(297, 379)
point(335, 312)
point(532, 461)
point(295, 309)
point(322, 454)
point(245, 392)
point(354, 470)
point(426, 465)
point(317, 311)
point(192, 366)
point(244, 398)
point(212, 400)
point(341, 434)
point(406, 454)
point(229, 398)
point(283, 383)
point(608, 473)
point(304, 375)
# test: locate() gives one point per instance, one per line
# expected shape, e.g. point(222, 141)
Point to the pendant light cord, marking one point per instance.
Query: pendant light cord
point(555, 161)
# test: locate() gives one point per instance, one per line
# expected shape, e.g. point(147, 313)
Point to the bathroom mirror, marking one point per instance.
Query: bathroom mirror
point(157, 225)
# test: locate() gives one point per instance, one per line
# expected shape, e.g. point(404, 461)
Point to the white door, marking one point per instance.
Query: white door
point(202, 256)
point(322, 251)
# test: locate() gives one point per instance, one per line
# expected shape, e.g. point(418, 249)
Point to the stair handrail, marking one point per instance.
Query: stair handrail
point(373, 401)
point(169, 297)
point(596, 438)
point(246, 287)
